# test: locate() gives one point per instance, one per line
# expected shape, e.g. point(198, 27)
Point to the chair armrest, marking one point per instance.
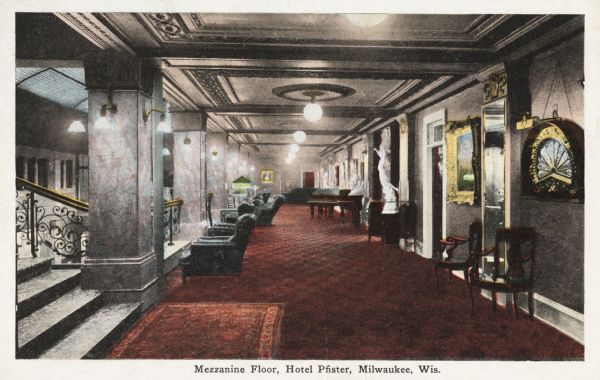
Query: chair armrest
point(215, 243)
point(485, 252)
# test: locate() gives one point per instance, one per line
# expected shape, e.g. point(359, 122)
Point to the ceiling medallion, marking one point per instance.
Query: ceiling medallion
point(321, 92)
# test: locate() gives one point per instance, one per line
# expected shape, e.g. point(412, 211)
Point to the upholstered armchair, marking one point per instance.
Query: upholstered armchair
point(218, 255)
point(266, 212)
point(228, 229)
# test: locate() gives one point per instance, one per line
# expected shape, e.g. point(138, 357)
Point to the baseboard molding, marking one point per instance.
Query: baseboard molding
point(562, 318)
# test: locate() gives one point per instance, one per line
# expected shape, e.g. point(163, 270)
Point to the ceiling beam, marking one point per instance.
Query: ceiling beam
point(311, 132)
point(260, 68)
point(283, 144)
point(298, 109)
point(291, 51)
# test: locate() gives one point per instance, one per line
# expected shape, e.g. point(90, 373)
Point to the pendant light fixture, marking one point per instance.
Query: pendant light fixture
point(313, 111)
point(366, 20)
point(299, 136)
point(166, 152)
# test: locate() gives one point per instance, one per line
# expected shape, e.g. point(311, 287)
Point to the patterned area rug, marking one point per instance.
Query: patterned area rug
point(204, 330)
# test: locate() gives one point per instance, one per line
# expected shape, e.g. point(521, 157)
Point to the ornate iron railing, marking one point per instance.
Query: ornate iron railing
point(46, 218)
point(172, 214)
point(57, 221)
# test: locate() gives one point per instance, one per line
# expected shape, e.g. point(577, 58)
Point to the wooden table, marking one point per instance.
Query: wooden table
point(322, 205)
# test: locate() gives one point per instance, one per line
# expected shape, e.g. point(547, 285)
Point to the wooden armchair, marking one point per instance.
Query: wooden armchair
point(446, 259)
point(374, 219)
point(513, 271)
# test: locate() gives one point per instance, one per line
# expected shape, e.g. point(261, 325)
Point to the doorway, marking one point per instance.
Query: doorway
point(433, 170)
point(308, 179)
point(437, 204)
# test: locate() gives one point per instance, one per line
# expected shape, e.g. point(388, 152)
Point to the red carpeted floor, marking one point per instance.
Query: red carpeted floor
point(346, 299)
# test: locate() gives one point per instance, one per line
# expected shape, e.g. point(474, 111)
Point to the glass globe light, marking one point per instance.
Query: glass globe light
point(288, 160)
point(294, 148)
point(166, 152)
point(299, 136)
point(366, 20)
point(163, 126)
point(313, 112)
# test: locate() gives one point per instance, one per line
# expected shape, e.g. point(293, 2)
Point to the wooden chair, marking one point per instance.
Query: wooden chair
point(374, 219)
point(447, 260)
point(513, 272)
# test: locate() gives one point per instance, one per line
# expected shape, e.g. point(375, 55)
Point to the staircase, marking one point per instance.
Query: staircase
point(59, 320)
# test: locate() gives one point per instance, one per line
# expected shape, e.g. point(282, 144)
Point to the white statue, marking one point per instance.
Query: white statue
point(389, 190)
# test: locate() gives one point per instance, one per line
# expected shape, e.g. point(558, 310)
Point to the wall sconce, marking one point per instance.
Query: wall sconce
point(76, 127)
point(102, 122)
point(214, 154)
point(187, 140)
point(163, 126)
point(166, 152)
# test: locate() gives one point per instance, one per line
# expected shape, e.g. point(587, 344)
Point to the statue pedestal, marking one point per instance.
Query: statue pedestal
point(391, 223)
point(390, 208)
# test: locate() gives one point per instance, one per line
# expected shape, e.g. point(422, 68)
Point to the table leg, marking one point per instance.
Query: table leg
point(312, 211)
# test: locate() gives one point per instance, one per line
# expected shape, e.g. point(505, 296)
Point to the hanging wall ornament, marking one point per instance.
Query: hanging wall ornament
point(553, 159)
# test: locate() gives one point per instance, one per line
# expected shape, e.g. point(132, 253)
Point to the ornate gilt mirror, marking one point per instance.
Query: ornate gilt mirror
point(493, 189)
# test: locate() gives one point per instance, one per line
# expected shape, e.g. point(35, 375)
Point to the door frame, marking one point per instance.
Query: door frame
point(438, 117)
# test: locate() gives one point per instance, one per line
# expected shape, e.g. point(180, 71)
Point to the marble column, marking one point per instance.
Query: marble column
point(121, 259)
point(189, 156)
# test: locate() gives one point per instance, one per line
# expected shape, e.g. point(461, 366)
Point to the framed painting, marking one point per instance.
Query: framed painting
point(267, 176)
point(462, 148)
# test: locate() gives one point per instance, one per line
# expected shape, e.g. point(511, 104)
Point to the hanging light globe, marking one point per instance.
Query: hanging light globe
point(299, 136)
point(313, 112)
point(163, 126)
point(166, 152)
point(366, 20)
point(294, 148)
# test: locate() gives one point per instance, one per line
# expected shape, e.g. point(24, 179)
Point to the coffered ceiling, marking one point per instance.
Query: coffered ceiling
point(231, 65)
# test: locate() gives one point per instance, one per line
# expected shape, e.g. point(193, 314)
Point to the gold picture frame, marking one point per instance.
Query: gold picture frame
point(463, 163)
point(267, 176)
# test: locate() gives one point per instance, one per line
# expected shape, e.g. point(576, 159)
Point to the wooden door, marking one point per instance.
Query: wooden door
point(308, 179)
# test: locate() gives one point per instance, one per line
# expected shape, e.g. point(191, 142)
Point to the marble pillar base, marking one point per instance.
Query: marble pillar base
point(130, 279)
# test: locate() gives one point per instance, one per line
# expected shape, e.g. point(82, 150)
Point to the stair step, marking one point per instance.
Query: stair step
point(43, 328)
point(95, 336)
point(30, 267)
point(43, 289)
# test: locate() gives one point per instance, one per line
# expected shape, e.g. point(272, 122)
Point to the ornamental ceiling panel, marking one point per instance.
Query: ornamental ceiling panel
point(260, 90)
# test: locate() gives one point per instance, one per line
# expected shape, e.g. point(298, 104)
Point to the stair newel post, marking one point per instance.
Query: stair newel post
point(32, 223)
point(171, 226)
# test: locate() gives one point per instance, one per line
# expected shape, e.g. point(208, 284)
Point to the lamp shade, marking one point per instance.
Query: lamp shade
point(313, 112)
point(76, 127)
point(102, 123)
point(299, 136)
